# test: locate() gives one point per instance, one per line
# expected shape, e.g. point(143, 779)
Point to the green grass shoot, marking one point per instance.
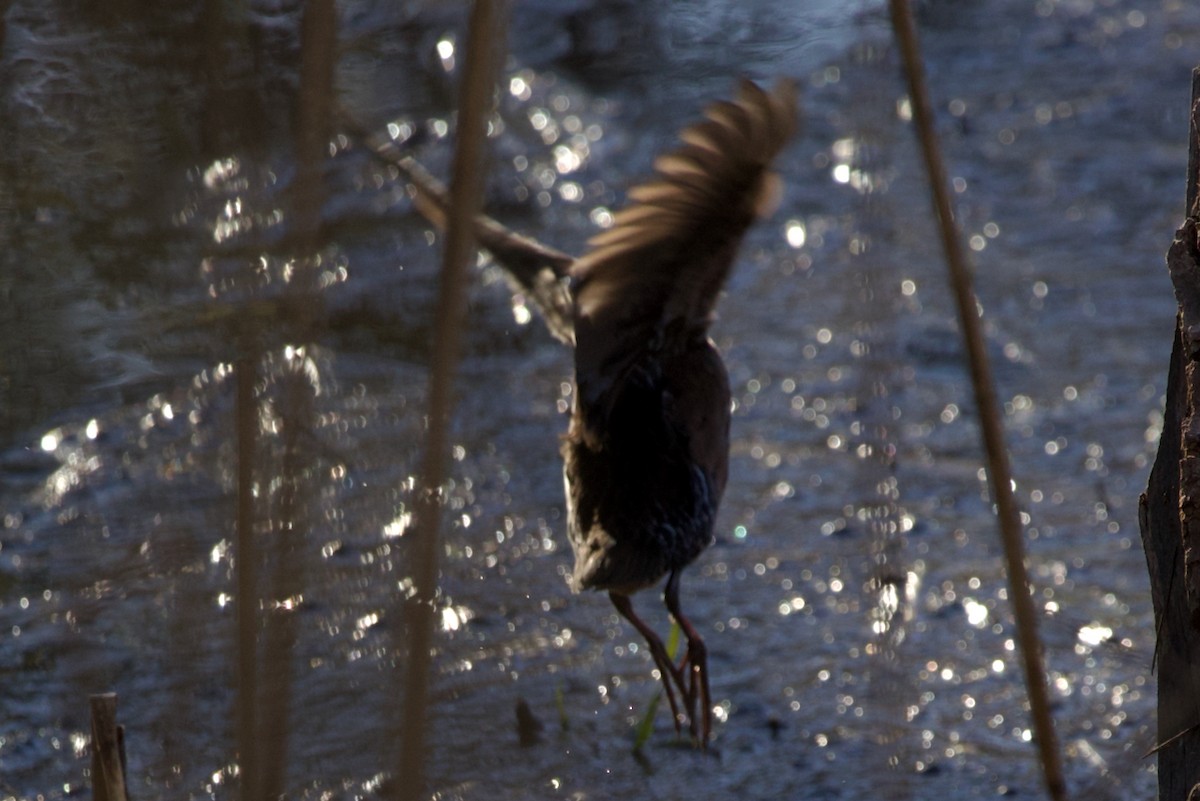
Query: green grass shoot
point(646, 725)
point(561, 704)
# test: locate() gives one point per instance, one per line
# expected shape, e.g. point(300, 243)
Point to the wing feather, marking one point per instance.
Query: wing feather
point(651, 281)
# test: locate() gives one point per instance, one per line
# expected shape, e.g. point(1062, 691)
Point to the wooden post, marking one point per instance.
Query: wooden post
point(108, 751)
point(1169, 512)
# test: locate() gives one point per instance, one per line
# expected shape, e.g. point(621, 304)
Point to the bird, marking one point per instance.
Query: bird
point(646, 451)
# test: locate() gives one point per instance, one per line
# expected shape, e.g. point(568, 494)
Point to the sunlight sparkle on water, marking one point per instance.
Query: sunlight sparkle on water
point(521, 313)
point(794, 605)
point(519, 88)
point(445, 51)
point(400, 130)
point(455, 617)
point(566, 159)
point(795, 233)
point(977, 613)
point(601, 217)
point(399, 525)
point(1094, 634)
point(220, 171)
point(288, 604)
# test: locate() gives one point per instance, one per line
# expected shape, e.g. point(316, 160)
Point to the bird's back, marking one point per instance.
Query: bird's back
point(646, 454)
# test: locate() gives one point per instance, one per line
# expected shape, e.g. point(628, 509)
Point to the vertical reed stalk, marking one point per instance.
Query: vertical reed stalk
point(482, 55)
point(999, 473)
point(247, 561)
point(285, 581)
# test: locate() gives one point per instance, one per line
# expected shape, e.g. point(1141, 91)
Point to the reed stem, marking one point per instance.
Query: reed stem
point(990, 420)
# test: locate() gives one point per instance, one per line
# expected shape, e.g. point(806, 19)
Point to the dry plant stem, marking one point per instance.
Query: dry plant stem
point(484, 48)
point(247, 560)
point(108, 758)
point(999, 474)
point(285, 578)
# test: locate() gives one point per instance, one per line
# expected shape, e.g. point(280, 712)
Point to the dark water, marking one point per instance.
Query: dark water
point(162, 212)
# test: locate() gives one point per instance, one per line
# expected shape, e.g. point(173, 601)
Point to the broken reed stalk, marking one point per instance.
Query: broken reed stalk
point(999, 473)
point(246, 564)
point(108, 750)
point(484, 49)
point(286, 569)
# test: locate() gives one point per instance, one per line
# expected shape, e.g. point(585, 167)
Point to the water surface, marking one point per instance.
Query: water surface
point(162, 216)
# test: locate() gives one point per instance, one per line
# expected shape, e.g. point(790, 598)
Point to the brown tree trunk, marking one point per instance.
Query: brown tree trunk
point(1169, 514)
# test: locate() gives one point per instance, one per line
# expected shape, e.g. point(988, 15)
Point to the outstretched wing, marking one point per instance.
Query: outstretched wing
point(650, 282)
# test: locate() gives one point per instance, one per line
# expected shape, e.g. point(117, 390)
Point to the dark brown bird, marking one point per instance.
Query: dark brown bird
point(647, 451)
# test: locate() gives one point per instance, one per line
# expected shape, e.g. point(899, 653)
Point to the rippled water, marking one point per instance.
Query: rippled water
point(853, 603)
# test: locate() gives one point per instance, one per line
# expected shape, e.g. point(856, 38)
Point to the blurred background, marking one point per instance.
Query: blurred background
point(179, 193)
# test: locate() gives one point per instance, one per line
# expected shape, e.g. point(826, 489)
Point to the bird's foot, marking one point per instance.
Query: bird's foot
point(697, 693)
point(691, 677)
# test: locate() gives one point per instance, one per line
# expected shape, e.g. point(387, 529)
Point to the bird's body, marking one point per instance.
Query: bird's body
point(643, 494)
point(647, 451)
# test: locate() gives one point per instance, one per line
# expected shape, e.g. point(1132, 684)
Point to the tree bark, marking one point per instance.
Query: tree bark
point(1169, 513)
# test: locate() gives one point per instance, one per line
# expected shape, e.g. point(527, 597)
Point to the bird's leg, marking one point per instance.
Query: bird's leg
point(662, 661)
point(695, 660)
